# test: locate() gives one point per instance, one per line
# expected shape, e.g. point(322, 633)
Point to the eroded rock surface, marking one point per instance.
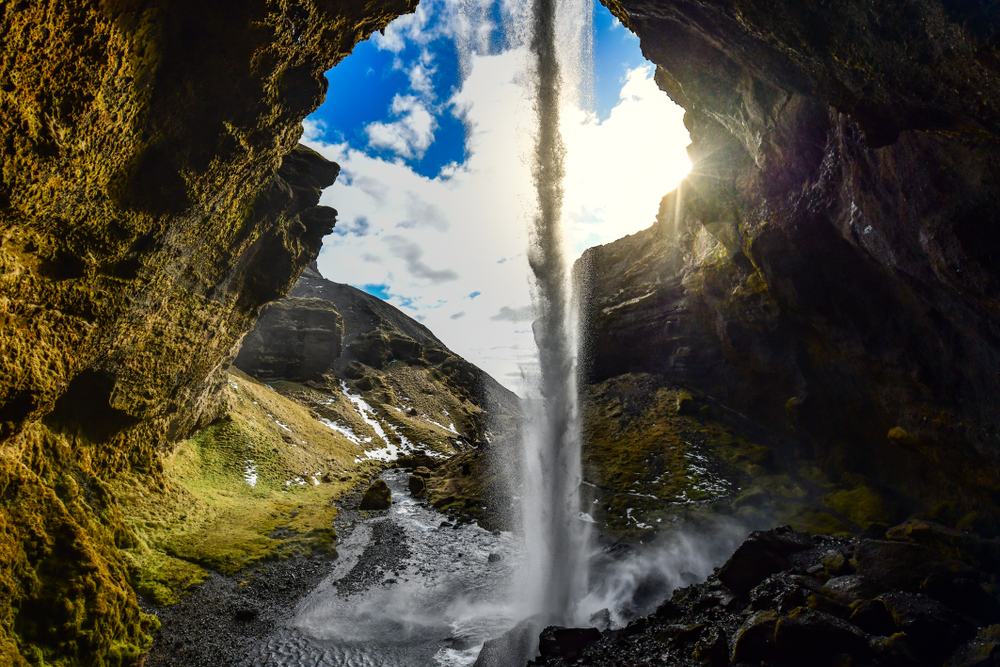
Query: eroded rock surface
point(152, 199)
point(828, 269)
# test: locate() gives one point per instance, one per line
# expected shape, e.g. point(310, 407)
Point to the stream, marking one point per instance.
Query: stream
point(409, 589)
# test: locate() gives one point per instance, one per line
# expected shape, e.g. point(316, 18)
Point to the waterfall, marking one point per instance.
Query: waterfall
point(556, 538)
point(557, 37)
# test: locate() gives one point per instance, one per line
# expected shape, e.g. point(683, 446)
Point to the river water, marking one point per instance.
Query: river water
point(412, 590)
point(408, 589)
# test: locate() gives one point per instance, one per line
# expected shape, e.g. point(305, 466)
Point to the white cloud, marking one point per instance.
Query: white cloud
point(409, 136)
point(421, 75)
point(434, 242)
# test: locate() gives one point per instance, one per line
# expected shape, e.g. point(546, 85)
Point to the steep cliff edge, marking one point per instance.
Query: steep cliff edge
point(829, 267)
point(152, 198)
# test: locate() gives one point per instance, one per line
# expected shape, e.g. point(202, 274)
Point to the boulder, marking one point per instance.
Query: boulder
point(931, 629)
point(983, 651)
point(417, 485)
point(806, 638)
point(873, 617)
point(963, 595)
point(754, 641)
point(903, 565)
point(762, 554)
point(783, 592)
point(377, 497)
point(850, 588)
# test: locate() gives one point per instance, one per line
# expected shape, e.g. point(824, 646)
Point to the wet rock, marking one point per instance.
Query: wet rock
point(754, 641)
point(850, 589)
point(712, 648)
point(836, 564)
point(947, 542)
point(783, 592)
point(806, 637)
point(963, 595)
point(494, 558)
point(377, 497)
point(903, 565)
point(873, 617)
point(416, 485)
point(601, 619)
point(566, 643)
point(818, 602)
point(930, 629)
point(983, 651)
point(762, 554)
point(514, 647)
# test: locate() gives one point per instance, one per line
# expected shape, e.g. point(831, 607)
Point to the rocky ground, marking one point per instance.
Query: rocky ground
point(217, 623)
point(914, 595)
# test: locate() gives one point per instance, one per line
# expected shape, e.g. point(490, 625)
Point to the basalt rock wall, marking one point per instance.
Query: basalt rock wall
point(153, 197)
point(829, 268)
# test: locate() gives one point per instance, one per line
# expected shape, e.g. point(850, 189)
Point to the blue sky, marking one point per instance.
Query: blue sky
point(432, 125)
point(382, 74)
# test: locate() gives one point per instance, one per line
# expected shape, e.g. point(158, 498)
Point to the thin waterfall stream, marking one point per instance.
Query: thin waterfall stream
point(554, 534)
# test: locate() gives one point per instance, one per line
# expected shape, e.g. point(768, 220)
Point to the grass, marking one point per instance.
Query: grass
point(205, 515)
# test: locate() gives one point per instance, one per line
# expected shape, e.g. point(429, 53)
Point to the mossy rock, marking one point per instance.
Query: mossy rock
point(377, 497)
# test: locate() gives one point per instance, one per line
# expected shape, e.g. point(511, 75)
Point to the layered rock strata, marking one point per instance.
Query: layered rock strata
point(828, 268)
point(152, 198)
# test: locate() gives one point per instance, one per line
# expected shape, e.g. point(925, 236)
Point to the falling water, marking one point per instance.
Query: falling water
point(555, 536)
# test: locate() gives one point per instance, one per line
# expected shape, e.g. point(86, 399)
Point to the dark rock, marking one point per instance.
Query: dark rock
point(601, 619)
point(295, 339)
point(754, 641)
point(566, 643)
point(514, 647)
point(494, 558)
point(788, 264)
point(416, 485)
point(947, 542)
point(762, 554)
point(963, 595)
point(930, 628)
point(712, 648)
point(850, 589)
point(807, 637)
point(246, 615)
point(377, 497)
point(904, 566)
point(783, 592)
point(873, 617)
point(983, 651)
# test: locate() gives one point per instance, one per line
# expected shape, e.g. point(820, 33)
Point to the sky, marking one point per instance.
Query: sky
point(432, 125)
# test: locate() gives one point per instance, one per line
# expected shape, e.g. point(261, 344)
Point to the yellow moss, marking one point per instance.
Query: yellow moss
point(862, 505)
point(814, 521)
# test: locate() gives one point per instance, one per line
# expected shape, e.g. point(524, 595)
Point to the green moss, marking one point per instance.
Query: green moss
point(861, 505)
point(815, 521)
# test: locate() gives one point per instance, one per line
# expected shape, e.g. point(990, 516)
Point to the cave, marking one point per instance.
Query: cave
point(797, 361)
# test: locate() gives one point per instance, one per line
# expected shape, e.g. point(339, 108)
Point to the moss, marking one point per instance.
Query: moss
point(861, 505)
point(815, 521)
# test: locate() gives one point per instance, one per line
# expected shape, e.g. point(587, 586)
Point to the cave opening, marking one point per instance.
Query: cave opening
point(431, 126)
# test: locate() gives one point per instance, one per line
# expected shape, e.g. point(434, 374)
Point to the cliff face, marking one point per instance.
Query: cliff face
point(334, 339)
point(829, 267)
point(329, 332)
point(152, 198)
